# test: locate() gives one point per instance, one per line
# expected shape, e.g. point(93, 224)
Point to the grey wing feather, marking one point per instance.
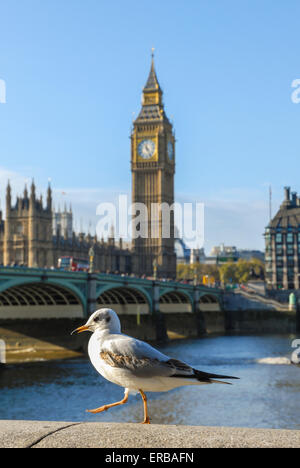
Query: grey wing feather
point(141, 359)
point(145, 361)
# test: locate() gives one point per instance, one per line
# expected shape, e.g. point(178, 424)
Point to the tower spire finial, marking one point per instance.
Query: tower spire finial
point(152, 82)
point(32, 189)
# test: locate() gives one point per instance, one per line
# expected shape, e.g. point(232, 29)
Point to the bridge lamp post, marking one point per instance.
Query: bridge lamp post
point(91, 255)
point(154, 264)
point(195, 277)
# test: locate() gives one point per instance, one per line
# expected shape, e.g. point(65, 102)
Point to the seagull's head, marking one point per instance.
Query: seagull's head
point(101, 320)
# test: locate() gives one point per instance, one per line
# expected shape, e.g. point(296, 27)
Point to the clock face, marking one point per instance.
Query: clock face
point(146, 149)
point(170, 150)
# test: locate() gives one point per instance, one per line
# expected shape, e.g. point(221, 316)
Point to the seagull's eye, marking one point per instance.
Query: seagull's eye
point(96, 319)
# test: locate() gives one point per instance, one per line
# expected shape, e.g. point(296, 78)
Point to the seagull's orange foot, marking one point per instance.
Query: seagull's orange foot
point(98, 410)
point(146, 420)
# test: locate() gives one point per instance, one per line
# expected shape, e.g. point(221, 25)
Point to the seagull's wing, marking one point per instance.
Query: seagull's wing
point(142, 360)
point(137, 356)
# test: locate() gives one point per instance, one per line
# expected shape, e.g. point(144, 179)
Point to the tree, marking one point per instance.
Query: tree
point(243, 271)
point(228, 272)
point(198, 270)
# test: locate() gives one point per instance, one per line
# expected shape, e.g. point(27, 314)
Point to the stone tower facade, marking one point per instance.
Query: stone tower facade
point(63, 222)
point(153, 169)
point(27, 233)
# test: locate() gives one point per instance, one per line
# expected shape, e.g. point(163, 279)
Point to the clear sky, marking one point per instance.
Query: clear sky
point(74, 71)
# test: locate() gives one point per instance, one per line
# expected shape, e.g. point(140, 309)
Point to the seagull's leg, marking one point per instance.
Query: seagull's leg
point(146, 417)
point(106, 407)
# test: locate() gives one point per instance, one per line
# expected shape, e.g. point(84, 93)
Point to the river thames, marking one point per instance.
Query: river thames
point(267, 394)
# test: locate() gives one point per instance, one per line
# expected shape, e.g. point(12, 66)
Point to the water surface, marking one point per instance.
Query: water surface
point(267, 395)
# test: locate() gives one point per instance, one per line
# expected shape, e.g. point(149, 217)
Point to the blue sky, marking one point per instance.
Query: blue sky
point(74, 71)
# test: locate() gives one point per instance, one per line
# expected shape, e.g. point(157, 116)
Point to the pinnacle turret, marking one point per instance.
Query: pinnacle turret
point(152, 82)
point(152, 103)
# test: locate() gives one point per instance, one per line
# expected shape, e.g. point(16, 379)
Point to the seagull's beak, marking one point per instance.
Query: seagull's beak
point(80, 329)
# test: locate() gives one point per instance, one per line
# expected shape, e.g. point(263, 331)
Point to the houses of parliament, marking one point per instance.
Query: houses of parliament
point(33, 235)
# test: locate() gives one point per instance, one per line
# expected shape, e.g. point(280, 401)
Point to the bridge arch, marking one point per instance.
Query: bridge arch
point(209, 302)
point(37, 300)
point(175, 301)
point(124, 300)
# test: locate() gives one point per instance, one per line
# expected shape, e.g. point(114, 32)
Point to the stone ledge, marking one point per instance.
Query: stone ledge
point(53, 434)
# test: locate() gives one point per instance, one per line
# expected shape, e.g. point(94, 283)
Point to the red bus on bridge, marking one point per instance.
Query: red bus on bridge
point(73, 264)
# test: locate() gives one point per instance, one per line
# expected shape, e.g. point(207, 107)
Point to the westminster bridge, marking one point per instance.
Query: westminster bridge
point(33, 300)
point(40, 293)
point(39, 308)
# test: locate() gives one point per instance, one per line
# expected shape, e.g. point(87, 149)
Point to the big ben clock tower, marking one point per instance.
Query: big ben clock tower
point(153, 169)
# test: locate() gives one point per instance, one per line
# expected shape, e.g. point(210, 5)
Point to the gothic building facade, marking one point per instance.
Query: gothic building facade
point(27, 237)
point(62, 221)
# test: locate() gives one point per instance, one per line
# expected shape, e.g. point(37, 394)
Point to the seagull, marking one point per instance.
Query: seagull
point(134, 364)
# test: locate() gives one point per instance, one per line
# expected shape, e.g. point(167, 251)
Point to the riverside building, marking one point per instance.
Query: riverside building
point(282, 242)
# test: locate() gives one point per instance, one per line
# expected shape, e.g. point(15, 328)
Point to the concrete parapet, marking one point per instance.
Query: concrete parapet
point(52, 434)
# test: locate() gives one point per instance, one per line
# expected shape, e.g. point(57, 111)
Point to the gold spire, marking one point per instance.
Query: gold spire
point(152, 82)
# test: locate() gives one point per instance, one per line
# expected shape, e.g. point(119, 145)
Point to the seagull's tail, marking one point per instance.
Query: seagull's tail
point(212, 378)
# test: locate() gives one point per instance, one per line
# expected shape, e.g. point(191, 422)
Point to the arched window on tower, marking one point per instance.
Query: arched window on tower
point(19, 228)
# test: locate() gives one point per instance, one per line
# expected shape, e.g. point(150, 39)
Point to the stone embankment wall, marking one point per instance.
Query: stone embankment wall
point(246, 313)
point(53, 434)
